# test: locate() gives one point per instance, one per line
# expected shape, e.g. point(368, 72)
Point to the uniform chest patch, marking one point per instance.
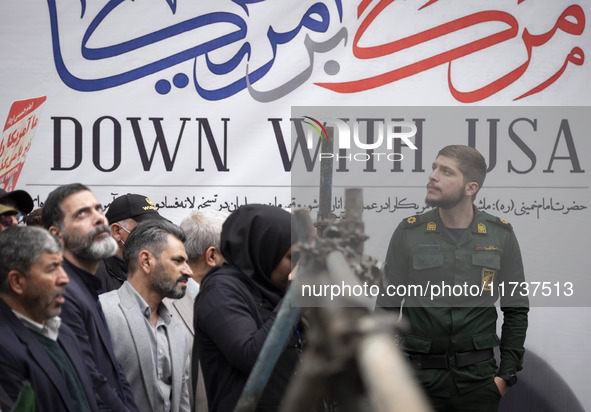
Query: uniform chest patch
point(429, 248)
point(488, 277)
point(490, 247)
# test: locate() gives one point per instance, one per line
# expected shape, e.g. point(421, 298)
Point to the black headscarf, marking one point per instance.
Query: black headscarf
point(254, 239)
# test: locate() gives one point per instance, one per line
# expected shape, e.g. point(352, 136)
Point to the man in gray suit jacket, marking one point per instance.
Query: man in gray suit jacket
point(151, 345)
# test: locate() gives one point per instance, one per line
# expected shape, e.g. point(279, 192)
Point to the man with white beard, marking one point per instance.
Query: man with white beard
point(74, 215)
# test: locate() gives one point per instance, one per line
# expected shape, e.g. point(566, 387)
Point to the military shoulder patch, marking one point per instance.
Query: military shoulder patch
point(411, 221)
point(503, 222)
point(418, 220)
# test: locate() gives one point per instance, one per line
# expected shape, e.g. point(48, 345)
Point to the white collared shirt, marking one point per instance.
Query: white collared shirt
point(50, 330)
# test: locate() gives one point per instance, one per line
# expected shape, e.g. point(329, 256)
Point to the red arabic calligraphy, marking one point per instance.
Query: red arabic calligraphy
point(16, 144)
point(16, 135)
point(571, 21)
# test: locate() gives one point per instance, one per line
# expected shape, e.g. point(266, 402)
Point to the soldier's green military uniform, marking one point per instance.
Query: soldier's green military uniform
point(424, 252)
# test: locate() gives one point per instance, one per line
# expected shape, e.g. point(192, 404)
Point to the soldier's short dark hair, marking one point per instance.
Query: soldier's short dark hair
point(470, 162)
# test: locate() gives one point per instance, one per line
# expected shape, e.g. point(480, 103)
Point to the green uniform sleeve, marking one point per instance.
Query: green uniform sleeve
point(515, 308)
point(395, 270)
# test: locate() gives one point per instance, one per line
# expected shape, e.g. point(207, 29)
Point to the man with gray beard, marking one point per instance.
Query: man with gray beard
point(73, 215)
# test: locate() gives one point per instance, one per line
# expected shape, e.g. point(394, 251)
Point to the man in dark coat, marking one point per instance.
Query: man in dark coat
point(35, 346)
point(73, 214)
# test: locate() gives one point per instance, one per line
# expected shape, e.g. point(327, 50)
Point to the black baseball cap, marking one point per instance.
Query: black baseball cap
point(23, 201)
point(132, 206)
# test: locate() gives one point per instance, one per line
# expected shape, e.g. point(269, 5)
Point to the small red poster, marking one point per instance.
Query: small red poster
point(17, 136)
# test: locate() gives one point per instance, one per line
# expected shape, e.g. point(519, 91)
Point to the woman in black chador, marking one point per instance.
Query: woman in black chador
point(238, 303)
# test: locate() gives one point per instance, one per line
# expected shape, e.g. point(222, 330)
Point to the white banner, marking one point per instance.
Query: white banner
point(190, 104)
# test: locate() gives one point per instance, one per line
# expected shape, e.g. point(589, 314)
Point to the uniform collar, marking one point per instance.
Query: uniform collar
point(479, 223)
point(478, 226)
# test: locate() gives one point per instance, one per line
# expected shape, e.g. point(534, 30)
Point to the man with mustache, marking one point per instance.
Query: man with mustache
point(73, 215)
point(36, 346)
point(151, 345)
point(458, 248)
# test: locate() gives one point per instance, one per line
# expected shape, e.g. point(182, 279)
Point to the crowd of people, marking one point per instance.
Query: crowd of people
point(97, 309)
point(127, 311)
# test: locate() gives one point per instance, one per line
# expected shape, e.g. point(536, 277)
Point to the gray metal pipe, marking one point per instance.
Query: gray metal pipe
point(388, 378)
point(282, 328)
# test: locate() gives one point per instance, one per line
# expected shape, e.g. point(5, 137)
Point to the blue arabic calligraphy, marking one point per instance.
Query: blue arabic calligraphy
point(317, 18)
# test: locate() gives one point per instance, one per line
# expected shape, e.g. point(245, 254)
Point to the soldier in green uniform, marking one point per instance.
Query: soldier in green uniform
point(447, 265)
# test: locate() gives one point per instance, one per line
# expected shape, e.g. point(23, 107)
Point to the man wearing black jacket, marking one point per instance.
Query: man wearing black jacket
point(73, 214)
point(36, 347)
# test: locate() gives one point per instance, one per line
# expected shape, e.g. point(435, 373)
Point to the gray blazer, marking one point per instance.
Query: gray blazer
point(131, 344)
point(183, 308)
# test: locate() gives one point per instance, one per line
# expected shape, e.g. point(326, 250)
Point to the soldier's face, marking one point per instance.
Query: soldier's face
point(446, 187)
